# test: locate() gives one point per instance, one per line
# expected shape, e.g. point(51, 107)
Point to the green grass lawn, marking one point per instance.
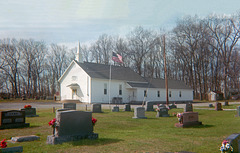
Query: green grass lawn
point(118, 132)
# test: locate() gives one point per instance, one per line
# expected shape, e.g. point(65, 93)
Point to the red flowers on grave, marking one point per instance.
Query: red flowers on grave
point(52, 123)
point(94, 121)
point(27, 106)
point(3, 144)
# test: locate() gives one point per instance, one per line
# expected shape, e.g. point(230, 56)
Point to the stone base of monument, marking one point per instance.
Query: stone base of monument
point(11, 149)
point(16, 125)
point(115, 109)
point(189, 124)
point(189, 119)
point(61, 139)
point(30, 112)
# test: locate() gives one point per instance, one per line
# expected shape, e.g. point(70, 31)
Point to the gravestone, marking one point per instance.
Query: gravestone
point(172, 106)
point(218, 106)
point(162, 105)
point(188, 107)
point(139, 113)
point(30, 112)
point(12, 119)
point(149, 106)
point(72, 125)
point(69, 106)
point(238, 111)
point(127, 107)
point(115, 109)
point(188, 119)
point(96, 108)
point(162, 112)
point(210, 105)
point(11, 149)
point(25, 138)
point(226, 103)
point(234, 140)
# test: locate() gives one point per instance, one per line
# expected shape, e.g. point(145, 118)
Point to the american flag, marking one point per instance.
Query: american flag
point(116, 57)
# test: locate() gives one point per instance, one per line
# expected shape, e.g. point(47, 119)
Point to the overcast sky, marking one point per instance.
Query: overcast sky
point(70, 21)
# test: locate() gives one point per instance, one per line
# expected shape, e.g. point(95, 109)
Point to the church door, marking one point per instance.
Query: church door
point(74, 93)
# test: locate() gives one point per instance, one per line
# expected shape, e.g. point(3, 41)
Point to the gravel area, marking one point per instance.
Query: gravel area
point(81, 106)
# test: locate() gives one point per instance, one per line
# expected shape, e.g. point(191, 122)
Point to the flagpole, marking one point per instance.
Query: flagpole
point(109, 84)
point(165, 70)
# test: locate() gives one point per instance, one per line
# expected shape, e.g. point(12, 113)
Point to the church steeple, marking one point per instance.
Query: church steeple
point(79, 56)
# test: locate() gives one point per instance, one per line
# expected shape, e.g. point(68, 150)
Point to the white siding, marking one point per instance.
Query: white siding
point(98, 95)
point(186, 95)
point(81, 78)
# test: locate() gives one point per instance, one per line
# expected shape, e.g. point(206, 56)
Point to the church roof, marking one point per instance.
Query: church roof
point(172, 84)
point(102, 71)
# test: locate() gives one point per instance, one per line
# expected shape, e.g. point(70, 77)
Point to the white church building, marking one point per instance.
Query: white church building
point(91, 83)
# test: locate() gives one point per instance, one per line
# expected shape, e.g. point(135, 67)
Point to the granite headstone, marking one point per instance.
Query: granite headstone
point(12, 119)
point(72, 125)
point(96, 108)
point(162, 112)
point(139, 113)
point(218, 106)
point(188, 119)
point(188, 107)
point(127, 107)
point(115, 109)
point(149, 106)
point(69, 105)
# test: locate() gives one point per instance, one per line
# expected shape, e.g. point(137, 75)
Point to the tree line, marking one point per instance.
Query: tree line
point(202, 52)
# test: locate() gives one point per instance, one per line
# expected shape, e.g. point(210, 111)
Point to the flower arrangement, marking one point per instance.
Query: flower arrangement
point(52, 123)
point(3, 144)
point(174, 114)
point(27, 106)
point(94, 121)
point(157, 109)
point(226, 147)
point(180, 118)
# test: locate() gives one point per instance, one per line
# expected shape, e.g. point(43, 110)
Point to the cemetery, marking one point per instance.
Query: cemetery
point(135, 130)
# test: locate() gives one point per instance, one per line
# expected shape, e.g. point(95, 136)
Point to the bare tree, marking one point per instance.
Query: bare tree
point(225, 33)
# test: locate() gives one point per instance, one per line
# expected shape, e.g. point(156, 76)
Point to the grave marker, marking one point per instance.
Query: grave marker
point(139, 113)
point(12, 119)
point(69, 106)
point(218, 106)
point(11, 149)
point(25, 138)
point(127, 107)
point(210, 105)
point(115, 109)
point(188, 107)
point(162, 112)
point(188, 119)
point(96, 108)
point(234, 140)
point(149, 106)
point(172, 106)
point(238, 111)
point(226, 103)
point(30, 112)
point(72, 125)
